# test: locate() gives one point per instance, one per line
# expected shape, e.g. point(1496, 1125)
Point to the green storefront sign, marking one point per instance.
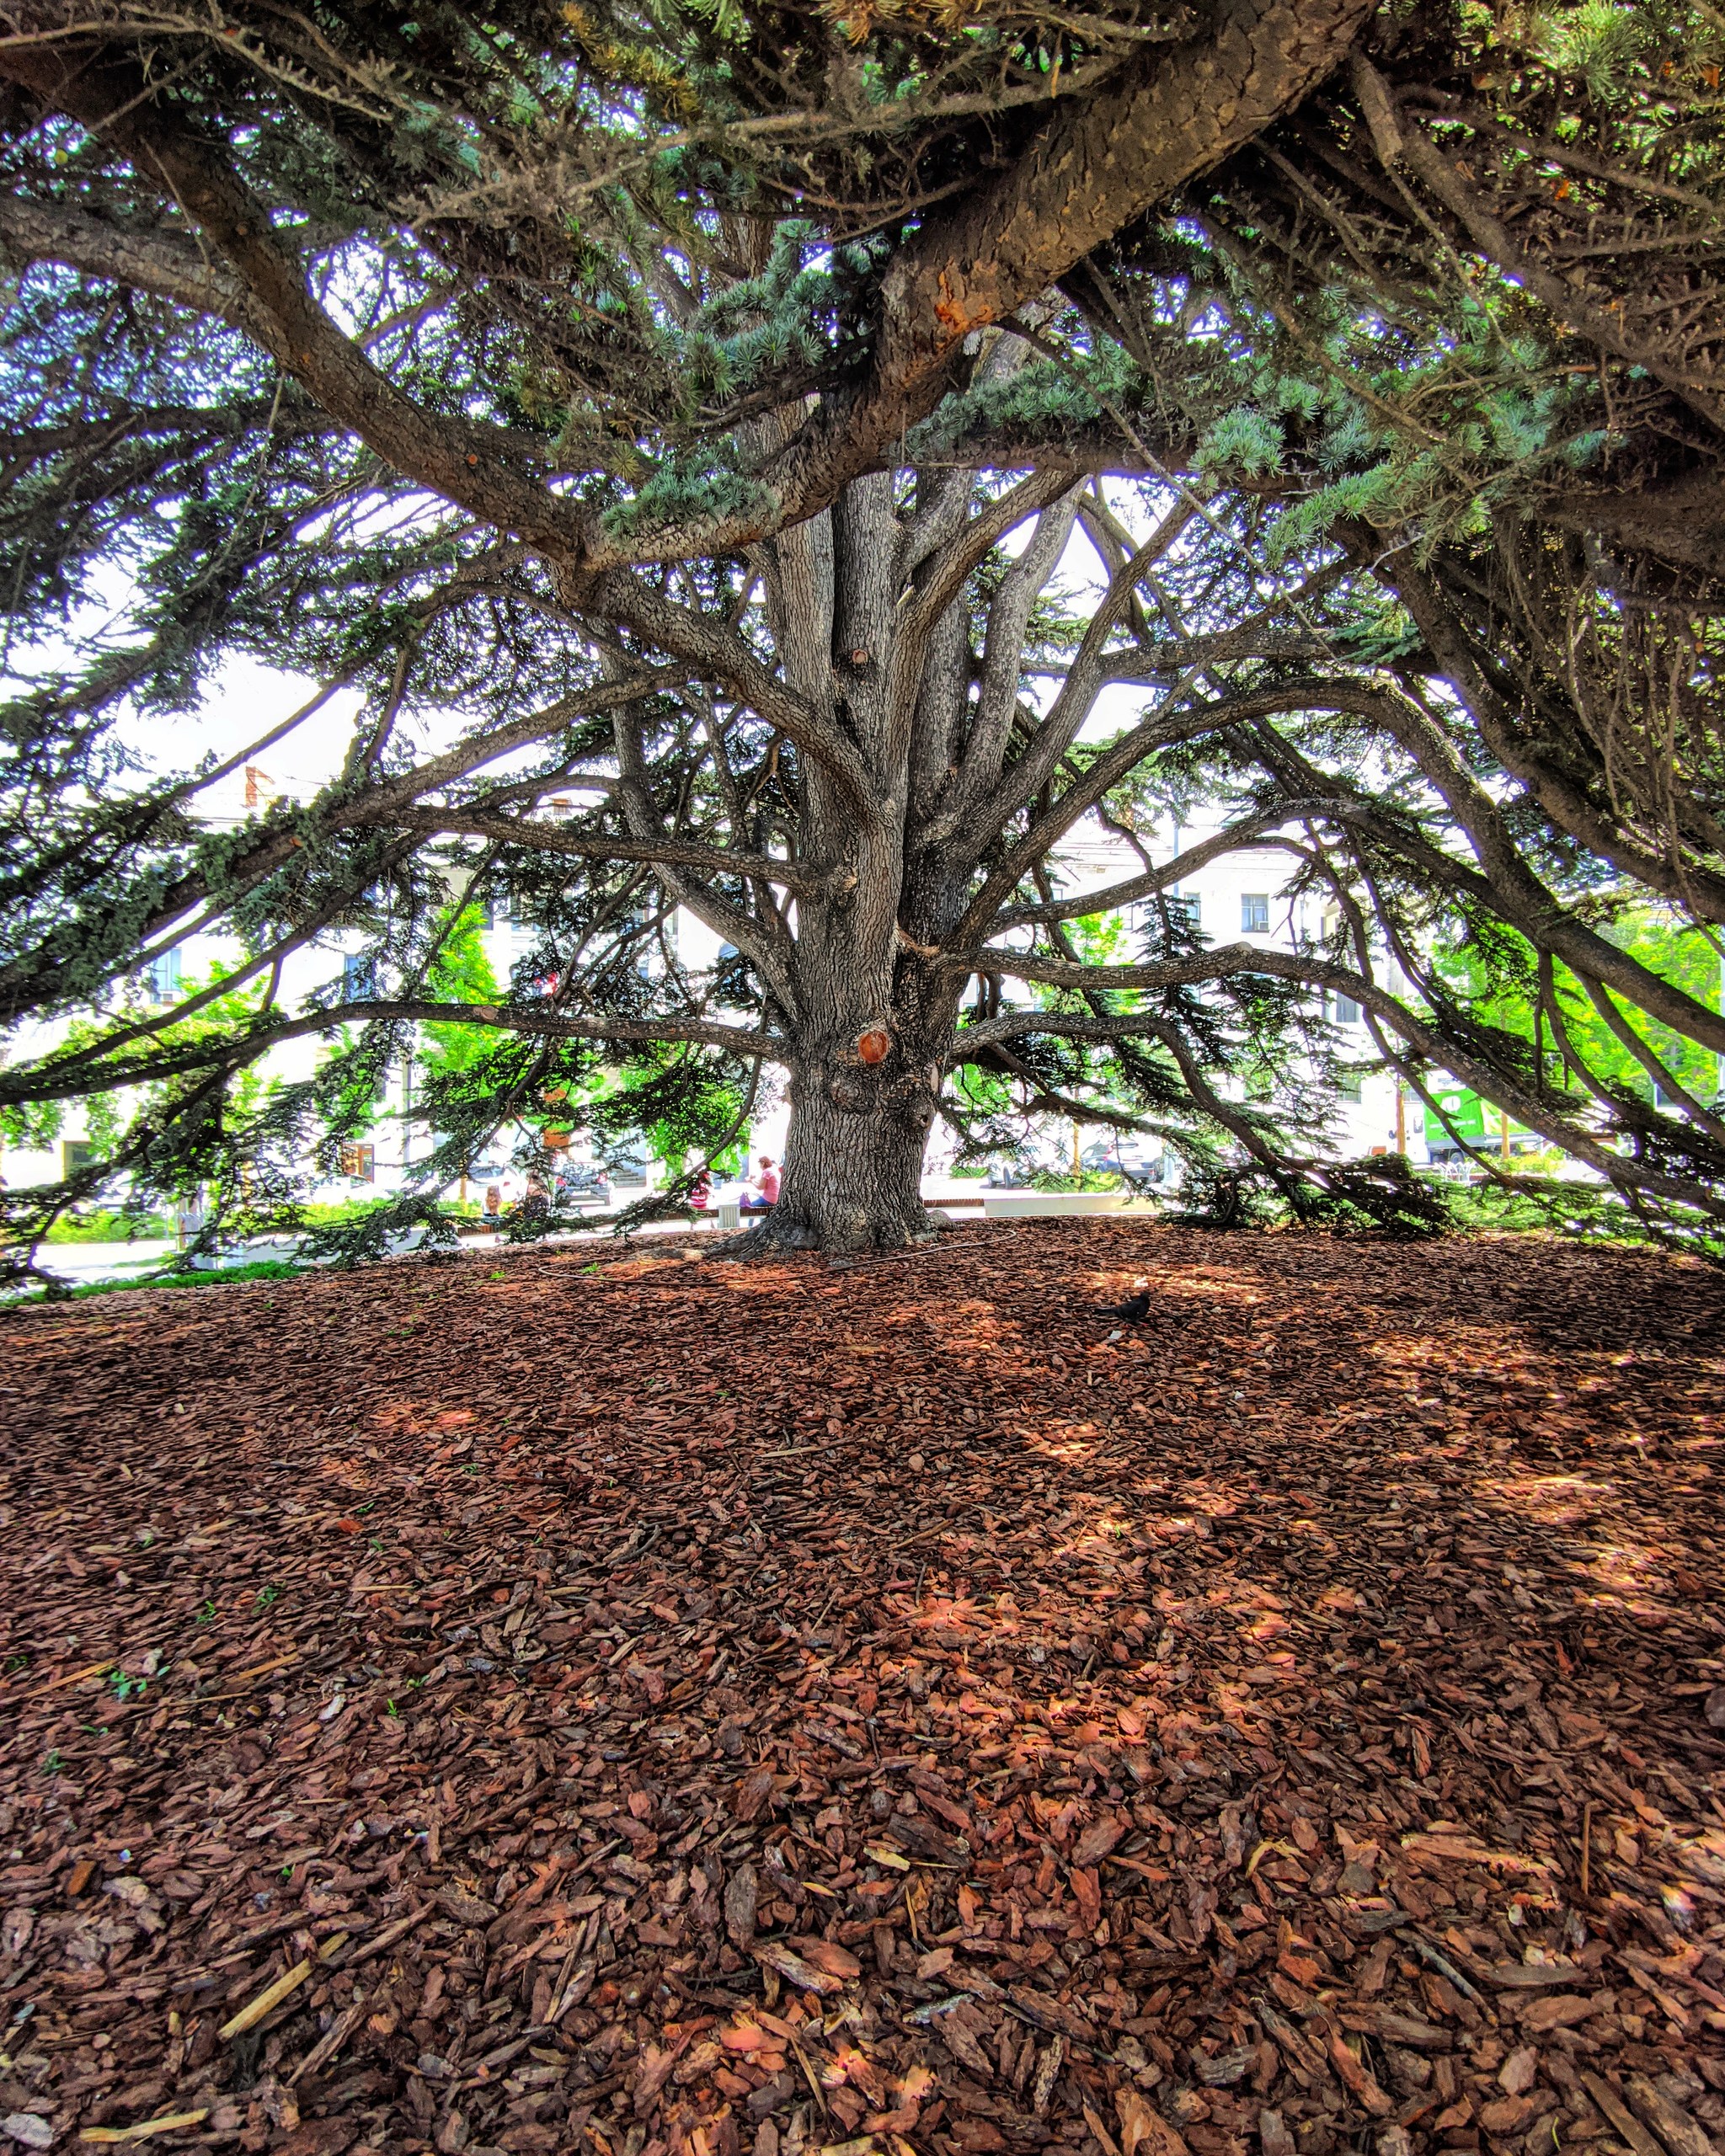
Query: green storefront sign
point(1464, 1117)
point(1470, 1121)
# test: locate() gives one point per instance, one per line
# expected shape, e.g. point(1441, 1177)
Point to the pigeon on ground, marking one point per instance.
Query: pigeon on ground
point(1133, 1309)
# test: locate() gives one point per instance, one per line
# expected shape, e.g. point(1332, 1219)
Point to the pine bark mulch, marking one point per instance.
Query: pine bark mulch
point(636, 1705)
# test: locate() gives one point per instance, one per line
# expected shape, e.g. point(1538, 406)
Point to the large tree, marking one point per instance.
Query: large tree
point(699, 406)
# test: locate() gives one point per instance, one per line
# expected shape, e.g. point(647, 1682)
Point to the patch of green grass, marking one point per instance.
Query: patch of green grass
point(1577, 1209)
point(338, 1214)
point(1063, 1180)
point(268, 1268)
point(1487, 1205)
point(103, 1226)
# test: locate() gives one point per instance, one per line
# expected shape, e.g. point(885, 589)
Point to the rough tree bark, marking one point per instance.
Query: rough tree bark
point(868, 1017)
point(854, 1156)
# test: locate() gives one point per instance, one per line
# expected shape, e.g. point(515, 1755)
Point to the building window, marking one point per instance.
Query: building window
point(359, 977)
point(1185, 906)
point(1346, 1010)
point(358, 1163)
point(76, 1155)
point(163, 976)
point(1255, 913)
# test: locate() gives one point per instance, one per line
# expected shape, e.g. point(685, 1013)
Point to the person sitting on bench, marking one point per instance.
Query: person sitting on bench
point(766, 1188)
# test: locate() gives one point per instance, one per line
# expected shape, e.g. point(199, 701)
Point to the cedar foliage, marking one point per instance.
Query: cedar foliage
point(652, 406)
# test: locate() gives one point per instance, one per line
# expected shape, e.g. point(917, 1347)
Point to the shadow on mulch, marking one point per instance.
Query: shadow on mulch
point(638, 1704)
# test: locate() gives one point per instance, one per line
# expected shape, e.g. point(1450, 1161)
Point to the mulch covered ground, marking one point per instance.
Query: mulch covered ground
point(633, 1706)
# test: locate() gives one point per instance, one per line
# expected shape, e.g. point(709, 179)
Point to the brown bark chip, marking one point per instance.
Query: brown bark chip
point(640, 1706)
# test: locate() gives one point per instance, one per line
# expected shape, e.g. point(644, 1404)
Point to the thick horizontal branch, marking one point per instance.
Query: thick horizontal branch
point(162, 263)
point(1440, 1051)
point(46, 1081)
point(1106, 156)
point(1227, 959)
point(1114, 895)
point(602, 845)
point(1168, 659)
point(550, 1025)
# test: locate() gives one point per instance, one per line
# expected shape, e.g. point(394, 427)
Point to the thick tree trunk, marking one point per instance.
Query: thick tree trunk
point(852, 1171)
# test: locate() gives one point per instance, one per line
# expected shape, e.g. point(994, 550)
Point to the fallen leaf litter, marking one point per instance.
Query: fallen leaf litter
point(633, 1706)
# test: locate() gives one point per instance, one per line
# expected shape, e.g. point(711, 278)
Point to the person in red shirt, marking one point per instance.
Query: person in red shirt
point(766, 1185)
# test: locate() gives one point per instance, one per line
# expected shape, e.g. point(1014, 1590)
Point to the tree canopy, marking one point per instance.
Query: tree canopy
point(687, 411)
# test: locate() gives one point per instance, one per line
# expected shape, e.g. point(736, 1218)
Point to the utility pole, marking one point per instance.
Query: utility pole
point(1400, 1119)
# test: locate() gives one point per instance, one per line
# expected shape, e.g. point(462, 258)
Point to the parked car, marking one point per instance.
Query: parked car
point(1009, 1175)
point(1113, 1158)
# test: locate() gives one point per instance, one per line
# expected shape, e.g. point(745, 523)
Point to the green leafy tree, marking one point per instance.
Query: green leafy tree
point(1584, 1036)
